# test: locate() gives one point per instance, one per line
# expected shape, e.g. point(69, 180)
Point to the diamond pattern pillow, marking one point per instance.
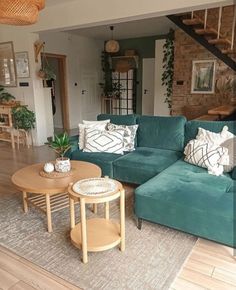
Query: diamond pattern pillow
point(104, 141)
point(206, 155)
point(101, 125)
point(129, 134)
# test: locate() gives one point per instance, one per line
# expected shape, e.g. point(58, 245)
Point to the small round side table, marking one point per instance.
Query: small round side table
point(97, 234)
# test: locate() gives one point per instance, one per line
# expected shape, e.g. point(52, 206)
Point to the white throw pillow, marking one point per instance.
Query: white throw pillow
point(104, 141)
point(101, 125)
point(206, 155)
point(129, 134)
point(96, 122)
point(231, 146)
point(214, 138)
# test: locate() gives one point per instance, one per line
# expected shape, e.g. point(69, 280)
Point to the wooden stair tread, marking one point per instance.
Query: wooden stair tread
point(207, 31)
point(193, 21)
point(219, 41)
point(228, 51)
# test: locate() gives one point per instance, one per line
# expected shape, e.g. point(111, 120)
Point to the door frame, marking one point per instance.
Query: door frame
point(63, 87)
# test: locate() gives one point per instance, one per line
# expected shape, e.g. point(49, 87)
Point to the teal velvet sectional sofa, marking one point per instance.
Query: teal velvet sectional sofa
point(172, 192)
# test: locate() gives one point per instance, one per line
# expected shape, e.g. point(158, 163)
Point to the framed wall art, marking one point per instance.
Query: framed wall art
point(22, 64)
point(7, 65)
point(203, 77)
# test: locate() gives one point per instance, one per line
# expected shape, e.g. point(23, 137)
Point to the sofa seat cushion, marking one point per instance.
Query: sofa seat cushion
point(187, 198)
point(102, 159)
point(143, 163)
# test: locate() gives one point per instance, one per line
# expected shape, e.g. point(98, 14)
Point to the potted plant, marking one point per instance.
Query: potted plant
point(5, 97)
point(61, 144)
point(23, 118)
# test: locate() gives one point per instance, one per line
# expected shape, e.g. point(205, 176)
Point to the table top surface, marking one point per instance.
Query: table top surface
point(28, 178)
point(224, 110)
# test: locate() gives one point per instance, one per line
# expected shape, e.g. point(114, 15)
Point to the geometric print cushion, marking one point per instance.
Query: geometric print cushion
point(129, 134)
point(205, 154)
point(101, 125)
point(104, 141)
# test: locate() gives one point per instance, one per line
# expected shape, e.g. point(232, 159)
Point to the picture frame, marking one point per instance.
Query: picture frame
point(203, 77)
point(22, 64)
point(7, 65)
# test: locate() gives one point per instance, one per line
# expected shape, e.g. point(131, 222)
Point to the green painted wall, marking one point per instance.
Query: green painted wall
point(145, 48)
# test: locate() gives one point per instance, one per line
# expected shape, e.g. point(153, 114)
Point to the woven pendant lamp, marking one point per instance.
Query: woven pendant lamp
point(20, 12)
point(112, 45)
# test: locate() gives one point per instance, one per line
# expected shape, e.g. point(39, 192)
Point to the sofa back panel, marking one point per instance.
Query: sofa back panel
point(191, 128)
point(161, 132)
point(119, 119)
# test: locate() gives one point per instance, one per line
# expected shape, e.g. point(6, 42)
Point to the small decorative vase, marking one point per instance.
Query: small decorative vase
point(62, 164)
point(48, 167)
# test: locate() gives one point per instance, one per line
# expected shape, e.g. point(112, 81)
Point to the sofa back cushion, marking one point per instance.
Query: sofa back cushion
point(161, 132)
point(191, 128)
point(119, 119)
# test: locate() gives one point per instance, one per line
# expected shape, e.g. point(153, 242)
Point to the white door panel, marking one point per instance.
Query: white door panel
point(90, 98)
point(148, 86)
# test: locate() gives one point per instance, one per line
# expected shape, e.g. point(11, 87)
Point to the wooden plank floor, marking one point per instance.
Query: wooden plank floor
point(209, 266)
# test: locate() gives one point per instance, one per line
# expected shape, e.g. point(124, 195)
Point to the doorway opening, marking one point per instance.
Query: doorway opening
point(59, 92)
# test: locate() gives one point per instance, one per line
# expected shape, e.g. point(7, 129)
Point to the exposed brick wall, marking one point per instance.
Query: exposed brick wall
point(187, 50)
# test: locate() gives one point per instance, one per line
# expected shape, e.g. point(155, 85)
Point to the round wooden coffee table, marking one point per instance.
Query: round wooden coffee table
point(97, 234)
point(50, 195)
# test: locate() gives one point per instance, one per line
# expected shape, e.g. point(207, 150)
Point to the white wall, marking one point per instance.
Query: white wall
point(160, 107)
point(83, 55)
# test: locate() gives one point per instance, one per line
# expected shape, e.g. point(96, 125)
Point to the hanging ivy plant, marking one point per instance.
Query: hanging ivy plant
point(168, 65)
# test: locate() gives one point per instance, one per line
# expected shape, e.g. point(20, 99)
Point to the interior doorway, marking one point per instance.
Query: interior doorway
point(59, 92)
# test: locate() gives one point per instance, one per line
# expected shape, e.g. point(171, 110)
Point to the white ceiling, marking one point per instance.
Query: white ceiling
point(56, 2)
point(132, 29)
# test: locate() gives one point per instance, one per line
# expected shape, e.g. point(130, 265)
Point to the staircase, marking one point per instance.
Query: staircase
point(196, 24)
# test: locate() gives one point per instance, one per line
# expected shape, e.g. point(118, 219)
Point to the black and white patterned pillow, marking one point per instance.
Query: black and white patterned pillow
point(205, 154)
point(104, 141)
point(129, 134)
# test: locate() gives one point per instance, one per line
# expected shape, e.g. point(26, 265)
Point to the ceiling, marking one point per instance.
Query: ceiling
point(56, 2)
point(132, 29)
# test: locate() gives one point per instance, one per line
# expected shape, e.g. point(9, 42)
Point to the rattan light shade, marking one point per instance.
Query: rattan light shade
point(20, 12)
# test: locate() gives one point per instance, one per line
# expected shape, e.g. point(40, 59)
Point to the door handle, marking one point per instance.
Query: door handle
point(83, 92)
point(145, 91)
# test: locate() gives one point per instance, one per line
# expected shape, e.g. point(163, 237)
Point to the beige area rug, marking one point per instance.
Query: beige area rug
point(152, 259)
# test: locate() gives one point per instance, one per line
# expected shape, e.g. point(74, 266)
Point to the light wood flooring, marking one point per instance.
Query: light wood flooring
point(209, 266)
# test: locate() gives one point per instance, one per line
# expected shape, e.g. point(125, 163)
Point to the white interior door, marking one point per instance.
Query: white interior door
point(148, 86)
point(91, 103)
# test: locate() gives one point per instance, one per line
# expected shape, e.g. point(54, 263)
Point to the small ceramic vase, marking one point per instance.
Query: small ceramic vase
point(62, 164)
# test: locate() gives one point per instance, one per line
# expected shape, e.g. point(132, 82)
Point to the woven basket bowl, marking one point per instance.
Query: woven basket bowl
point(20, 12)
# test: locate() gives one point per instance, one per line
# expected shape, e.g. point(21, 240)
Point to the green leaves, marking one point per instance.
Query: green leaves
point(168, 66)
point(60, 144)
point(23, 118)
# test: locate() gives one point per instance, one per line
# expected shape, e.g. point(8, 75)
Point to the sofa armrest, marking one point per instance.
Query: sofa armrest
point(233, 173)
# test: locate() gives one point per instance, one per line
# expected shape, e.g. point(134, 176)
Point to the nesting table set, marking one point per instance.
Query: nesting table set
point(84, 186)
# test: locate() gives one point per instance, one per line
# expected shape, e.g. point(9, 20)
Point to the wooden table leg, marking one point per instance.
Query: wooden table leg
point(107, 215)
point(122, 220)
point(95, 208)
point(25, 204)
point(49, 214)
point(83, 230)
point(72, 213)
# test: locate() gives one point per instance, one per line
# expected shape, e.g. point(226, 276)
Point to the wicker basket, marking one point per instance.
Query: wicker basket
point(20, 12)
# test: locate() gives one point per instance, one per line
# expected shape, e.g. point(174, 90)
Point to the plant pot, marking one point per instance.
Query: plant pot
point(62, 164)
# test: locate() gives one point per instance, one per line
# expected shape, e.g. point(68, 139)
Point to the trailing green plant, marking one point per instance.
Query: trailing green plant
point(60, 144)
point(111, 88)
point(168, 65)
point(23, 118)
point(5, 97)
